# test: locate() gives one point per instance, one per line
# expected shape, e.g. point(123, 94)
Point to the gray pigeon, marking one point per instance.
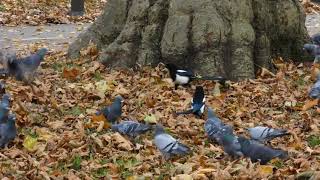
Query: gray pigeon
point(214, 127)
point(168, 145)
point(24, 69)
point(8, 131)
point(265, 134)
point(314, 50)
point(131, 128)
point(231, 145)
point(315, 90)
point(2, 87)
point(4, 108)
point(259, 152)
point(113, 112)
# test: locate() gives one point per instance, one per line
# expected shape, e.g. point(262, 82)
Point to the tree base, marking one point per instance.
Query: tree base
point(231, 39)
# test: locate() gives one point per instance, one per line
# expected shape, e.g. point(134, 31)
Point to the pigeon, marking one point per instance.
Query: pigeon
point(24, 69)
point(315, 89)
point(168, 145)
point(214, 128)
point(265, 134)
point(182, 76)
point(231, 145)
point(314, 50)
point(259, 152)
point(4, 108)
point(131, 128)
point(316, 39)
point(197, 103)
point(8, 131)
point(2, 88)
point(113, 112)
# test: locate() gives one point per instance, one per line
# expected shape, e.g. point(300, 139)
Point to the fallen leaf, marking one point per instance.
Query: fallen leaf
point(265, 170)
point(70, 74)
point(309, 104)
point(121, 142)
point(152, 119)
point(30, 143)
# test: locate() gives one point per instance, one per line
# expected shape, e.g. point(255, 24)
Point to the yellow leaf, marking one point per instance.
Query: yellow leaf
point(30, 143)
point(150, 119)
point(44, 134)
point(101, 87)
point(309, 104)
point(265, 170)
point(54, 103)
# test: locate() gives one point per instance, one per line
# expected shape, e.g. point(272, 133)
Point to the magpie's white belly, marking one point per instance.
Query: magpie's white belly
point(181, 79)
point(202, 109)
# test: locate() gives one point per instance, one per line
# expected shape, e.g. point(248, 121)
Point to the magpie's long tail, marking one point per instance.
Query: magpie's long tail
point(185, 112)
point(220, 79)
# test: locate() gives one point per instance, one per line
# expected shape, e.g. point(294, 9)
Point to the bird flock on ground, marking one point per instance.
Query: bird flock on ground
point(256, 148)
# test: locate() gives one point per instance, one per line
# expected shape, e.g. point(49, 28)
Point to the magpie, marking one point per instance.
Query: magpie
point(197, 103)
point(184, 76)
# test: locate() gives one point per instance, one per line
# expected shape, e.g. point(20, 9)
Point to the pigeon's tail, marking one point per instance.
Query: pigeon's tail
point(220, 79)
point(145, 127)
point(281, 133)
point(181, 150)
point(190, 111)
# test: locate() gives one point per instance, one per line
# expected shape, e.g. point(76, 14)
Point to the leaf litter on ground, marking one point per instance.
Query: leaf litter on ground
point(59, 135)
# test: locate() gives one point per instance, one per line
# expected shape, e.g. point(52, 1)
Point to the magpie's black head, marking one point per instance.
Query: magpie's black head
point(199, 90)
point(171, 67)
point(198, 96)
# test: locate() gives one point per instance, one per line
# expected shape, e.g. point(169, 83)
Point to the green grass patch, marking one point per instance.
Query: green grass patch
point(76, 162)
point(313, 141)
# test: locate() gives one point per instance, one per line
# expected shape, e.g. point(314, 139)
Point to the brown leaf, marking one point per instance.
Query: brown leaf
point(70, 74)
point(309, 104)
point(121, 142)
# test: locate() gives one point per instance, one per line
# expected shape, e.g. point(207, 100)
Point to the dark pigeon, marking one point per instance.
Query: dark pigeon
point(113, 112)
point(8, 131)
point(181, 76)
point(315, 89)
point(131, 128)
point(316, 39)
point(259, 152)
point(214, 127)
point(314, 50)
point(2, 87)
point(4, 108)
point(168, 145)
point(265, 134)
point(231, 145)
point(197, 103)
point(24, 69)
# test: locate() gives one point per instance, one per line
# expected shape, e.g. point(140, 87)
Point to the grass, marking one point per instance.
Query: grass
point(76, 162)
point(313, 141)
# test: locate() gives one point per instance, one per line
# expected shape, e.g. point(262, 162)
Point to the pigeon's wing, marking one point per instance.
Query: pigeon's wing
point(315, 90)
point(180, 149)
point(259, 132)
point(164, 142)
point(233, 148)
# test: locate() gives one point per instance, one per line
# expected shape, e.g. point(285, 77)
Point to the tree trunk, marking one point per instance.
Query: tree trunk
point(230, 38)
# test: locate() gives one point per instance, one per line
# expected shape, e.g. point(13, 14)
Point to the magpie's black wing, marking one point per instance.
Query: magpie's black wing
point(185, 72)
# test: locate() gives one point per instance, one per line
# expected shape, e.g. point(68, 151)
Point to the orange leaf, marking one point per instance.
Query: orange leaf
point(99, 118)
point(309, 104)
point(70, 74)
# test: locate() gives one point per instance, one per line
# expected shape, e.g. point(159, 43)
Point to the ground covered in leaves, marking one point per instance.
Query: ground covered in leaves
point(35, 12)
point(58, 136)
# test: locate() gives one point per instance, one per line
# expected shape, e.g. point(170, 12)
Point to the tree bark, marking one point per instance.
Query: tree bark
point(213, 37)
point(77, 8)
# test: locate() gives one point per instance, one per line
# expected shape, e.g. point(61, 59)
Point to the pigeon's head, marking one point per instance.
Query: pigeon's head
point(283, 155)
point(211, 113)
point(309, 48)
point(119, 98)
point(42, 51)
point(159, 129)
point(12, 117)
point(6, 97)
